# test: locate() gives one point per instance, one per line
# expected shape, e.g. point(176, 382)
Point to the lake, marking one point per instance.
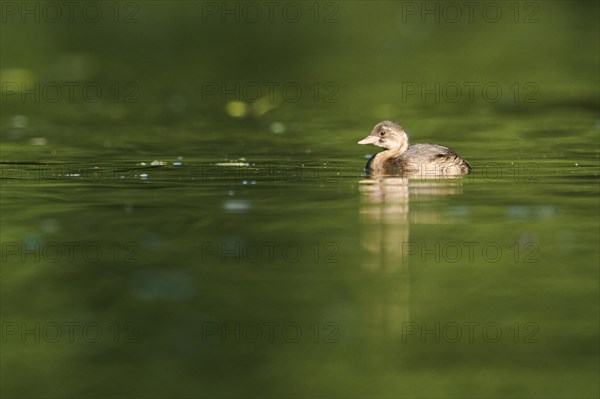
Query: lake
point(184, 210)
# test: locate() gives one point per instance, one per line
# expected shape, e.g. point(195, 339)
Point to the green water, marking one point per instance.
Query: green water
point(177, 237)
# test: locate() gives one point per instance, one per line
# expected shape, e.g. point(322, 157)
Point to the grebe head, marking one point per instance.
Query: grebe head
point(389, 135)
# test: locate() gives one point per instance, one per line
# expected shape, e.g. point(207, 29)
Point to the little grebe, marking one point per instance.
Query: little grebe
point(419, 160)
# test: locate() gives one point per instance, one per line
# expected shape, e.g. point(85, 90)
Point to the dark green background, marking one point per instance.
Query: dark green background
point(377, 258)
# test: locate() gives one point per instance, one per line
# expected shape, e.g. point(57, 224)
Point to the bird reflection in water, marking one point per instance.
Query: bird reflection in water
point(386, 218)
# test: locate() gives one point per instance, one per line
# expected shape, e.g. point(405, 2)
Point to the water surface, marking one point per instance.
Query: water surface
point(182, 247)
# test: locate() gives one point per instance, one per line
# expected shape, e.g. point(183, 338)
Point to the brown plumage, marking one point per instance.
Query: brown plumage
point(416, 160)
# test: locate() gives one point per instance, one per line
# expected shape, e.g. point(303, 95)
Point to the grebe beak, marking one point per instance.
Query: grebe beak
point(369, 140)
